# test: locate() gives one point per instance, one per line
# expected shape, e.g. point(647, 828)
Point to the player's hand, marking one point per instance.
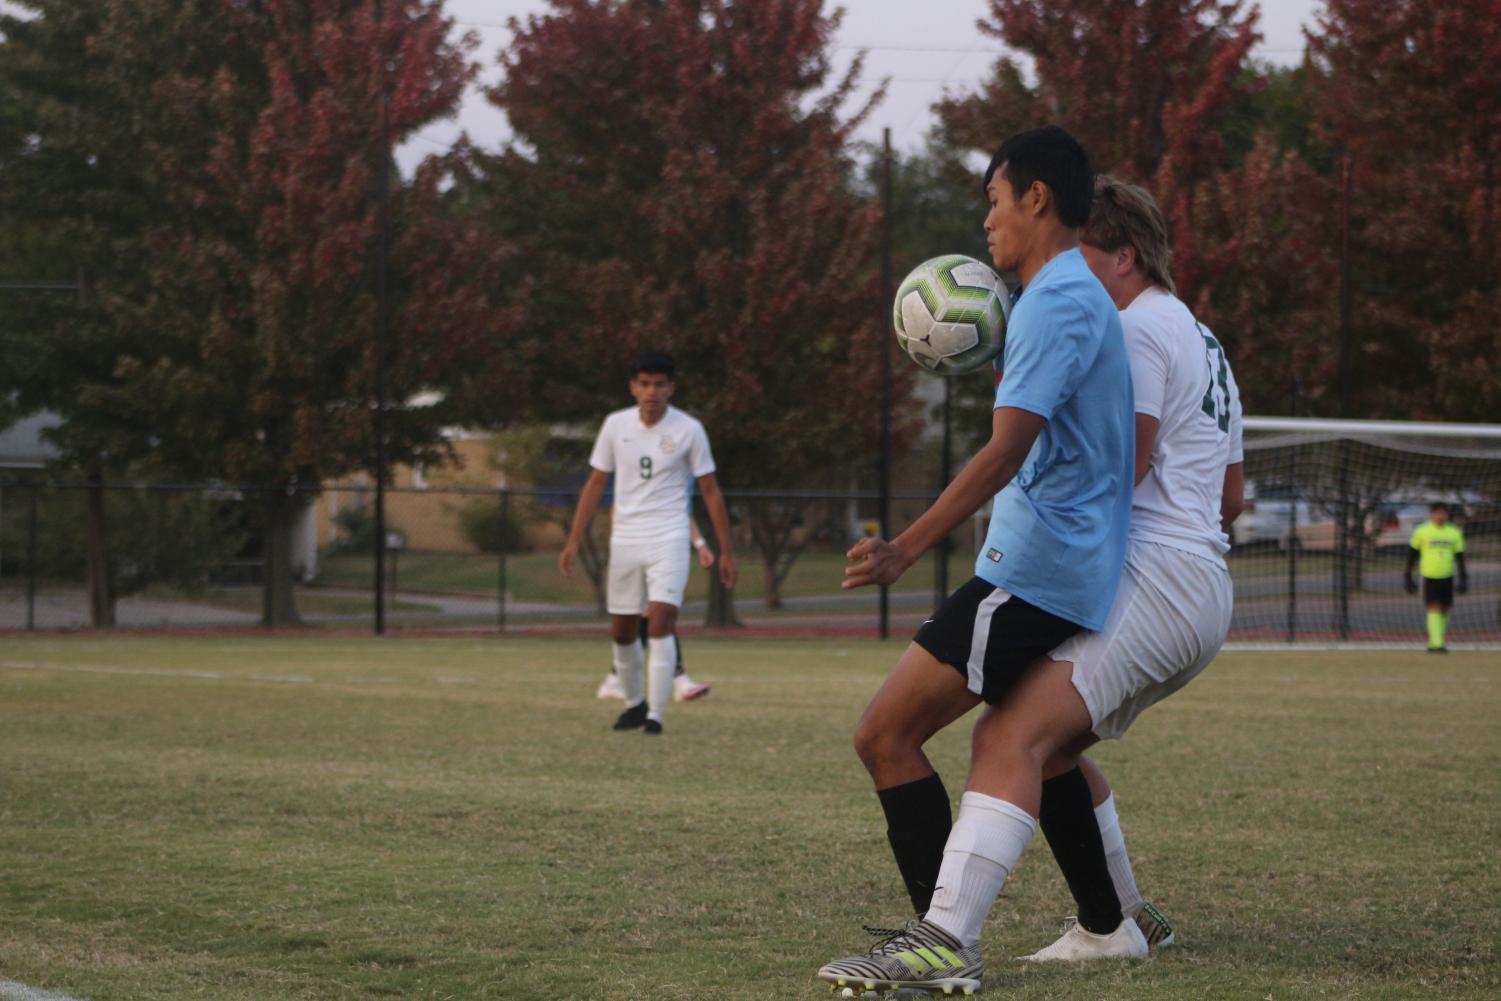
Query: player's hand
point(728, 572)
point(1462, 586)
point(1410, 584)
point(705, 556)
point(876, 561)
point(565, 559)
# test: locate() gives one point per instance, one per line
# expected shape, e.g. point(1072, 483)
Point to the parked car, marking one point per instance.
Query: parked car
point(1395, 523)
point(1263, 520)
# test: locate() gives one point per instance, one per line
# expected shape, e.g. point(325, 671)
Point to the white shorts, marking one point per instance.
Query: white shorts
point(640, 572)
point(1169, 619)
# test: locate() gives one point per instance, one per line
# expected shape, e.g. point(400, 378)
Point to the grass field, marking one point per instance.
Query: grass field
point(332, 818)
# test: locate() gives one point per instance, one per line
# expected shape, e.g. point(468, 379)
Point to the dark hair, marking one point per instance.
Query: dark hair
point(1438, 506)
point(1052, 156)
point(653, 363)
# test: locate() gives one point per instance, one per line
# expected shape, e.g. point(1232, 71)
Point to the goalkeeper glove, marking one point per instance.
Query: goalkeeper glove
point(1464, 585)
point(1409, 583)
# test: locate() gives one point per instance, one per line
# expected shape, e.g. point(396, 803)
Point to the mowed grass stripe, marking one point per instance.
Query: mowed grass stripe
point(454, 819)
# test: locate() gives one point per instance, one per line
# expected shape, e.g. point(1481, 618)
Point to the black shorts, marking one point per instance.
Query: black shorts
point(1438, 591)
point(990, 636)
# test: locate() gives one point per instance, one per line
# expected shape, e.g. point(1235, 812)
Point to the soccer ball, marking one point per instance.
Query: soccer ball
point(950, 314)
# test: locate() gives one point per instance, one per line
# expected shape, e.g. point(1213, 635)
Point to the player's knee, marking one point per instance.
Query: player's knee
point(875, 744)
point(1010, 746)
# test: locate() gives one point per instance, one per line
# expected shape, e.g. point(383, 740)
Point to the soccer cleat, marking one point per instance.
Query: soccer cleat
point(920, 956)
point(632, 718)
point(685, 689)
point(1438, 649)
point(1078, 943)
point(1154, 925)
point(652, 726)
point(610, 688)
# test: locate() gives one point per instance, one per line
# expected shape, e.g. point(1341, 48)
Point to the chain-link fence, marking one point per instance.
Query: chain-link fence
point(191, 556)
point(194, 557)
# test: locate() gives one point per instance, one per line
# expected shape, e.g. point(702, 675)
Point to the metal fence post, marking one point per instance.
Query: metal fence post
point(31, 562)
point(1342, 543)
point(1292, 548)
point(505, 521)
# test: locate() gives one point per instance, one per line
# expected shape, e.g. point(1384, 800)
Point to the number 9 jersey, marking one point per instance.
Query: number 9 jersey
point(655, 469)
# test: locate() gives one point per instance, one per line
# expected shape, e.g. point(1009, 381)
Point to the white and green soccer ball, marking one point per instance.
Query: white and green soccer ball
point(950, 314)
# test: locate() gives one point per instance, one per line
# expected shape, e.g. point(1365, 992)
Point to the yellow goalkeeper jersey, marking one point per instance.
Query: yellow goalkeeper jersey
point(1437, 545)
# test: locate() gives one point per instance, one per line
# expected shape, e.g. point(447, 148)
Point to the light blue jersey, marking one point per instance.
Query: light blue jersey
point(1057, 535)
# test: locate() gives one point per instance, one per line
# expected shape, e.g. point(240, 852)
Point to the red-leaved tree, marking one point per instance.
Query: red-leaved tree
point(1145, 86)
point(691, 193)
point(1411, 93)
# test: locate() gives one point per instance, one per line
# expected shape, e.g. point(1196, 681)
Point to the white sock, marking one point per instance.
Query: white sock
point(1115, 854)
point(982, 849)
point(627, 660)
point(660, 666)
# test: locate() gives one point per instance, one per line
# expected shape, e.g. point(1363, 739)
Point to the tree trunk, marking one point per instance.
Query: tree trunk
point(721, 613)
point(279, 601)
point(773, 586)
point(100, 583)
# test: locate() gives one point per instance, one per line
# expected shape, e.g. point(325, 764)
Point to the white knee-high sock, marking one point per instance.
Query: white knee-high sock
point(1115, 854)
point(660, 667)
point(627, 659)
point(986, 840)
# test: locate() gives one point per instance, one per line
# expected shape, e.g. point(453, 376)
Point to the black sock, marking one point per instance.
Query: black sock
point(1068, 822)
point(918, 818)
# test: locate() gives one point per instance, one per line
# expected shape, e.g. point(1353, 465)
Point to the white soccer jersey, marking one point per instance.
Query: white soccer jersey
point(1181, 377)
point(654, 471)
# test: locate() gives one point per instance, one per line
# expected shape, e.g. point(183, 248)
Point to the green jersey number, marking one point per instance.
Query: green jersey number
point(1217, 397)
point(646, 467)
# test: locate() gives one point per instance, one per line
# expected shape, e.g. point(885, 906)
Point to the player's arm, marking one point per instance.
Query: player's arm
point(1013, 431)
point(719, 516)
point(1233, 495)
point(1146, 437)
point(594, 489)
point(1462, 578)
point(700, 547)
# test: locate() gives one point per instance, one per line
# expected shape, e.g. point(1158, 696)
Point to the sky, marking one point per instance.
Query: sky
point(924, 57)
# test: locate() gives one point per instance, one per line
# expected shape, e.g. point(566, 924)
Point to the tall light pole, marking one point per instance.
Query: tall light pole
point(382, 246)
point(884, 465)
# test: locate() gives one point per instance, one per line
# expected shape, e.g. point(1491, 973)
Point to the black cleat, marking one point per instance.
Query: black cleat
point(1438, 649)
point(632, 718)
point(652, 726)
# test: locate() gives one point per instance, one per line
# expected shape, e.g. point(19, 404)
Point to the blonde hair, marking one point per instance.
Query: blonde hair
point(1124, 215)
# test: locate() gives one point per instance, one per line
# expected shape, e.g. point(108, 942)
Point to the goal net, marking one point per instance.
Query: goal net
point(1331, 507)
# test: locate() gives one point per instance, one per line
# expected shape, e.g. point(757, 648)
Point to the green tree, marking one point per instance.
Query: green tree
point(225, 193)
point(937, 207)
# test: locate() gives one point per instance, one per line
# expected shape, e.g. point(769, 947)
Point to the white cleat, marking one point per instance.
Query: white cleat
point(610, 688)
point(1078, 944)
point(1154, 925)
point(685, 689)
